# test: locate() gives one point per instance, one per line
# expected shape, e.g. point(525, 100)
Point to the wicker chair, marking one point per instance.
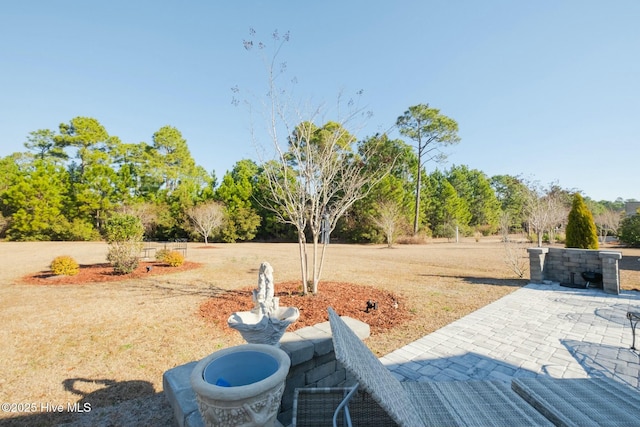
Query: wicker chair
point(385, 400)
point(316, 407)
point(380, 399)
point(581, 402)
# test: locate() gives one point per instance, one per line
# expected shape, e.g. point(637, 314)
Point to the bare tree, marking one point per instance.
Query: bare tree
point(608, 222)
point(317, 172)
point(544, 211)
point(505, 225)
point(148, 214)
point(516, 257)
point(388, 218)
point(313, 182)
point(206, 218)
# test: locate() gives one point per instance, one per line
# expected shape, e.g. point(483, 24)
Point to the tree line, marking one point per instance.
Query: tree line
point(69, 182)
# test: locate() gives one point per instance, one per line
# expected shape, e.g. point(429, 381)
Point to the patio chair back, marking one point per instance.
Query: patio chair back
point(414, 404)
point(372, 375)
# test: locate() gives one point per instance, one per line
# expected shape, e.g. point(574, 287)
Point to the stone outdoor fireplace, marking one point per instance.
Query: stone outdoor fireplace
point(565, 265)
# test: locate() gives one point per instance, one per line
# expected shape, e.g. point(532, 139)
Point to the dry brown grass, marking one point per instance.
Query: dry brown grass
point(105, 343)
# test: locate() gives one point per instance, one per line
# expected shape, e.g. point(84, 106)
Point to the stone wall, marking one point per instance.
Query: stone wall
point(313, 361)
point(313, 364)
point(565, 265)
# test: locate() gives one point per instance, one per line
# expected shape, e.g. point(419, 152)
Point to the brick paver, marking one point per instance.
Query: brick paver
point(537, 330)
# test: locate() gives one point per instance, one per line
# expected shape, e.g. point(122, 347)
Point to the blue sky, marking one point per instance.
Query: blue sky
point(546, 90)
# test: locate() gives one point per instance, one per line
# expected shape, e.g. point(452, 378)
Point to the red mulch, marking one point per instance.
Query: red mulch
point(347, 299)
point(104, 273)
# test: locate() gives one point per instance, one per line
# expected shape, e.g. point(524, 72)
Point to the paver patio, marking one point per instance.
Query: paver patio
point(540, 329)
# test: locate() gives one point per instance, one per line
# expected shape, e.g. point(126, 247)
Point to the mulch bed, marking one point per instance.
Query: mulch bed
point(347, 299)
point(93, 273)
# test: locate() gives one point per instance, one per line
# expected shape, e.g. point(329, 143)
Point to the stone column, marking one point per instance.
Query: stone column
point(610, 275)
point(536, 264)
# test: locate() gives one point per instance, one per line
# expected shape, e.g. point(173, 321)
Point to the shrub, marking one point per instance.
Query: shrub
point(447, 230)
point(174, 259)
point(485, 229)
point(124, 227)
point(516, 257)
point(581, 230)
point(161, 254)
point(418, 239)
point(124, 233)
point(123, 258)
point(629, 231)
point(76, 230)
point(64, 265)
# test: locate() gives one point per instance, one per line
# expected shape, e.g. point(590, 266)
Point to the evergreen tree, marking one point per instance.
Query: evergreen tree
point(448, 210)
point(179, 183)
point(430, 130)
point(35, 201)
point(394, 191)
point(42, 143)
point(511, 193)
point(629, 231)
point(235, 192)
point(474, 188)
point(92, 179)
point(581, 229)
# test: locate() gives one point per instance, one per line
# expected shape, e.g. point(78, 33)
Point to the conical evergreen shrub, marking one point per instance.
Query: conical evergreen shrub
point(581, 229)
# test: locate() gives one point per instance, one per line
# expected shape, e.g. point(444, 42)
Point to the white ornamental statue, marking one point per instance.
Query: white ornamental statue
point(267, 321)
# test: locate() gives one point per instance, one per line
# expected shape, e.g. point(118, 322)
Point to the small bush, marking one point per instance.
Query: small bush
point(123, 257)
point(124, 234)
point(124, 227)
point(162, 254)
point(516, 257)
point(446, 230)
point(486, 230)
point(419, 239)
point(65, 265)
point(629, 231)
point(174, 259)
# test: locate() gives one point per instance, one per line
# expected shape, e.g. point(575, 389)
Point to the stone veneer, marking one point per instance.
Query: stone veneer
point(558, 264)
point(313, 364)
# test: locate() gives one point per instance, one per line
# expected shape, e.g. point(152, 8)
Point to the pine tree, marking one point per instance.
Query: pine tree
point(236, 193)
point(581, 228)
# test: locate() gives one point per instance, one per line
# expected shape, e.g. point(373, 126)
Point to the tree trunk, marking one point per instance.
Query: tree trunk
point(303, 263)
point(416, 218)
point(316, 267)
point(324, 248)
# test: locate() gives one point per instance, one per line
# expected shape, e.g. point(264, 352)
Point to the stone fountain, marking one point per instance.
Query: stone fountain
point(267, 321)
point(241, 386)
